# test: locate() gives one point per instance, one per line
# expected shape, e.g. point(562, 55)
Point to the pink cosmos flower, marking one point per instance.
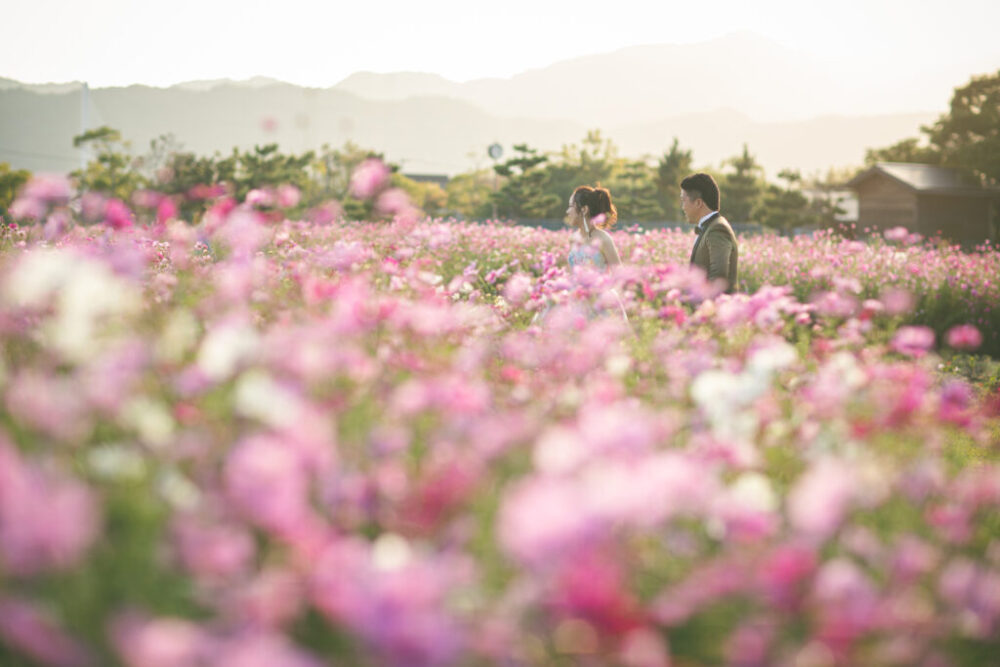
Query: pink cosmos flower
point(28, 630)
point(166, 210)
point(395, 202)
point(47, 521)
point(117, 215)
point(260, 197)
point(964, 337)
point(517, 289)
point(266, 480)
point(897, 301)
point(160, 642)
point(913, 341)
point(288, 196)
point(146, 198)
point(820, 498)
point(210, 550)
point(49, 188)
point(368, 178)
point(896, 234)
point(92, 206)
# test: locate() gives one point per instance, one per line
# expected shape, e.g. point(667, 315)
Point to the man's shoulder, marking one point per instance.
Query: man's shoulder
point(720, 225)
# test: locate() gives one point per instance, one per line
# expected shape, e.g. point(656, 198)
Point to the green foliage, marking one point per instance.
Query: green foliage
point(907, 150)
point(593, 162)
point(785, 207)
point(967, 136)
point(742, 187)
point(671, 170)
point(635, 193)
point(113, 170)
point(11, 181)
point(525, 192)
point(469, 194)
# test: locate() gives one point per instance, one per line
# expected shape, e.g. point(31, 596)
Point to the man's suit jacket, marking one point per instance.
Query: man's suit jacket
point(717, 252)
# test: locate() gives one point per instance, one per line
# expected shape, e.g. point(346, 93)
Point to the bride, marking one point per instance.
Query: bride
point(591, 214)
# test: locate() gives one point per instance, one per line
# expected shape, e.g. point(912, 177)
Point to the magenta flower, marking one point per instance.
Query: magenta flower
point(166, 210)
point(117, 215)
point(368, 178)
point(964, 337)
point(913, 341)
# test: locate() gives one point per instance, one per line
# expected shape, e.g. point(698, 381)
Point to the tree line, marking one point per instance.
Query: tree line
point(529, 183)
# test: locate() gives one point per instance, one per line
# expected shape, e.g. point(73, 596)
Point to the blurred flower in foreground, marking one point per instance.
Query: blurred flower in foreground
point(913, 341)
point(368, 178)
point(964, 337)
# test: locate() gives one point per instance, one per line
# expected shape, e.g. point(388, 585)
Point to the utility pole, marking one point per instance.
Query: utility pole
point(84, 123)
point(495, 151)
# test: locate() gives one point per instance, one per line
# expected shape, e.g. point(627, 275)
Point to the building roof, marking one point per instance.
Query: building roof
point(928, 179)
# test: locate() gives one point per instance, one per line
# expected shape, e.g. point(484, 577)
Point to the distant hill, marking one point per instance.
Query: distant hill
point(784, 106)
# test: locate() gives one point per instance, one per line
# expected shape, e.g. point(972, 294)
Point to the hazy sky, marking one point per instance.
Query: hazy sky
point(119, 42)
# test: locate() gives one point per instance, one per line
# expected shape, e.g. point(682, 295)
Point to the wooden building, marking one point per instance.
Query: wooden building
point(929, 200)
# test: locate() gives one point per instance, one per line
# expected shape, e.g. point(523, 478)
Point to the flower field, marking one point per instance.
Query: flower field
point(261, 441)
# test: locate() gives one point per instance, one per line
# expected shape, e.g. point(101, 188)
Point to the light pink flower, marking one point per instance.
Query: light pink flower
point(897, 301)
point(50, 188)
point(368, 178)
point(160, 642)
point(47, 521)
point(913, 341)
point(896, 234)
point(964, 337)
point(395, 202)
point(288, 196)
point(517, 289)
point(820, 498)
point(212, 550)
point(260, 197)
point(266, 480)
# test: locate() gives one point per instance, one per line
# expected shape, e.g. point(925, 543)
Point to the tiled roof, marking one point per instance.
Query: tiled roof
point(925, 178)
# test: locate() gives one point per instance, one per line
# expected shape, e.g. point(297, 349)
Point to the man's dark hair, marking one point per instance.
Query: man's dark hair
point(702, 186)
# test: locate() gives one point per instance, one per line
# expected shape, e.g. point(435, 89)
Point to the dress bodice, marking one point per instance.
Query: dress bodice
point(583, 255)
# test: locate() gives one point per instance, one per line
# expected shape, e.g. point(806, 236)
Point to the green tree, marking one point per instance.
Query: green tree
point(526, 191)
point(907, 150)
point(592, 162)
point(11, 181)
point(635, 193)
point(265, 166)
point(827, 195)
point(968, 136)
point(112, 170)
point(673, 167)
point(469, 194)
point(785, 207)
point(742, 187)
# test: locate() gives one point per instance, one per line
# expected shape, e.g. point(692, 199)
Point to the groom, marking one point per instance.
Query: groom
point(715, 251)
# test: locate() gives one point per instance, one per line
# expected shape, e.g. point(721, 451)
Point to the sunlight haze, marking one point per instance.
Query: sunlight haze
point(121, 42)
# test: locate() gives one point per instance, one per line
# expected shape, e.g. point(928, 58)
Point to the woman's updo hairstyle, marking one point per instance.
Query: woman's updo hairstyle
point(598, 202)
